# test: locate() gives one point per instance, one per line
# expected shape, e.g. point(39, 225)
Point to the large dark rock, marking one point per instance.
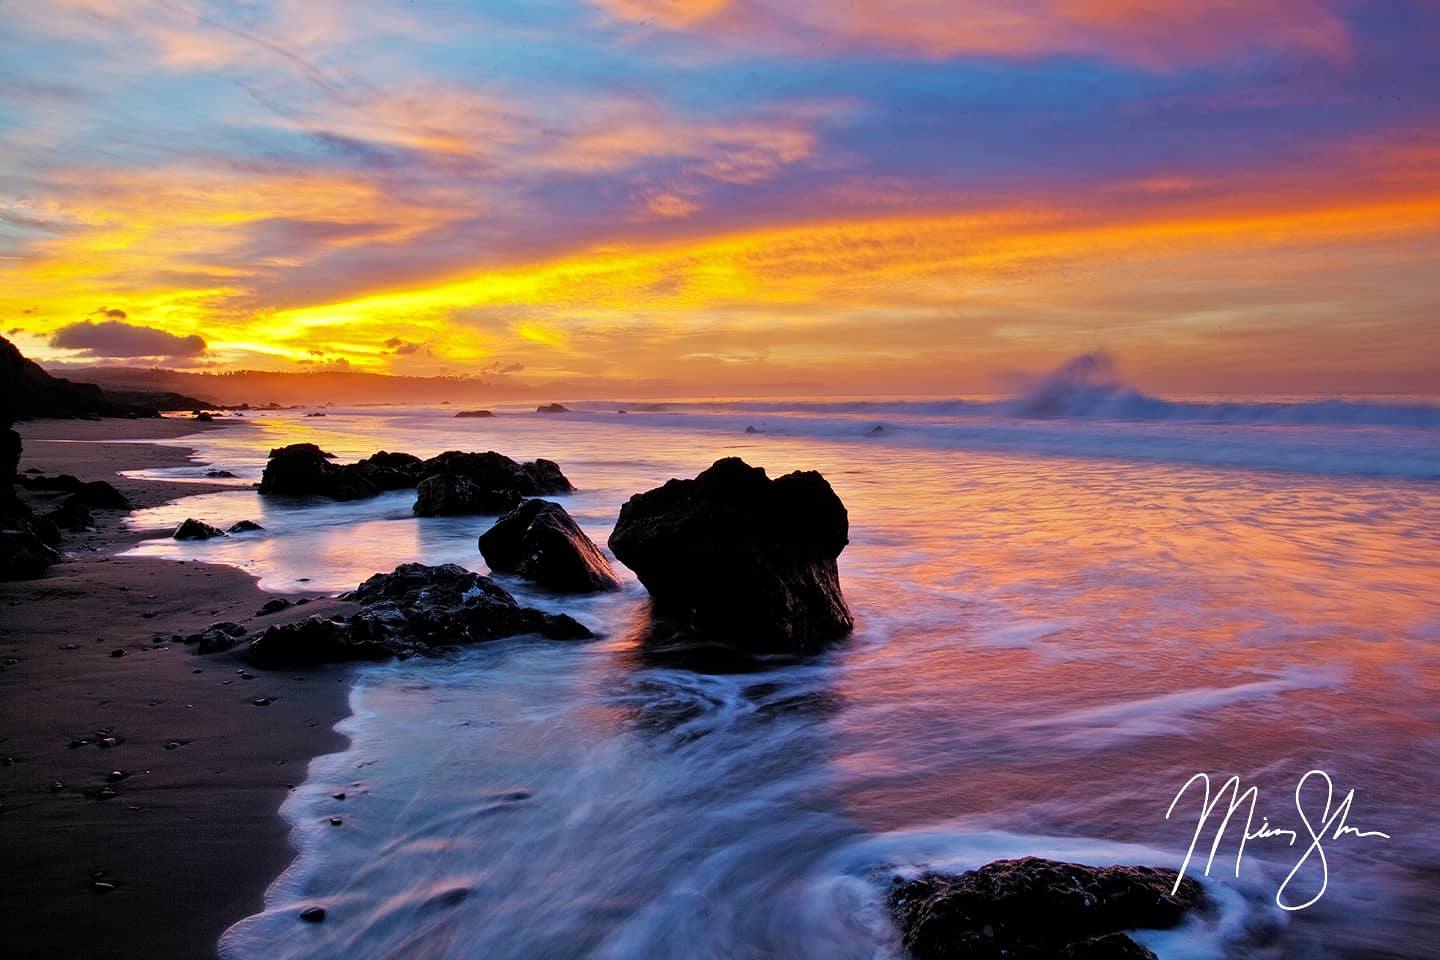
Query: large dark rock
point(303, 469)
point(542, 543)
point(390, 471)
point(494, 471)
point(416, 609)
point(1034, 909)
point(474, 413)
point(23, 555)
point(70, 514)
point(450, 495)
point(735, 558)
point(552, 408)
point(193, 529)
point(95, 494)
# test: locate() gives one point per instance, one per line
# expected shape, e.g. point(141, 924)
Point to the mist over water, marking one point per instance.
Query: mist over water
point(1063, 611)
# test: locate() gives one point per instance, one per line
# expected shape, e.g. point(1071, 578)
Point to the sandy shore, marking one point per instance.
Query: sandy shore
point(190, 838)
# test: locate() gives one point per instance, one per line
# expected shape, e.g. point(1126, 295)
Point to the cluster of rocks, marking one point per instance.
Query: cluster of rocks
point(415, 610)
point(192, 529)
point(449, 484)
point(1037, 909)
point(30, 537)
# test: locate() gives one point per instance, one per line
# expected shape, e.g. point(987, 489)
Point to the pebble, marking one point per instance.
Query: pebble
point(109, 743)
point(116, 776)
point(56, 787)
point(117, 652)
point(78, 742)
point(335, 821)
point(262, 701)
point(173, 745)
point(102, 886)
point(338, 796)
point(247, 676)
point(106, 793)
point(312, 914)
point(70, 646)
point(7, 761)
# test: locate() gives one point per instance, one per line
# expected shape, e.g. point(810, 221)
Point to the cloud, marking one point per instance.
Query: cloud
point(401, 348)
point(502, 368)
point(114, 338)
point(1152, 33)
point(112, 314)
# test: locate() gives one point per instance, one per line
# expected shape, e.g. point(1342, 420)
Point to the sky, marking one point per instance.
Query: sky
point(729, 196)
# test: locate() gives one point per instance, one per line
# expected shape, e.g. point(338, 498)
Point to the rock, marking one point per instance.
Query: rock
point(96, 494)
point(1034, 909)
point(296, 448)
point(736, 558)
point(494, 471)
point(118, 652)
point(474, 413)
point(193, 529)
point(70, 515)
point(303, 469)
point(261, 701)
point(219, 474)
point(390, 471)
point(751, 429)
point(449, 495)
point(542, 543)
point(24, 555)
point(552, 408)
point(217, 638)
point(313, 914)
point(204, 417)
point(876, 431)
point(317, 414)
point(245, 526)
point(272, 606)
point(415, 610)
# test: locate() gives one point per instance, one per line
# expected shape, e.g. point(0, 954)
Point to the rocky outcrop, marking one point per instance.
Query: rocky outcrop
point(1034, 909)
point(27, 392)
point(735, 558)
point(552, 408)
point(542, 543)
point(473, 413)
point(95, 494)
point(303, 469)
point(450, 494)
point(416, 609)
point(193, 529)
point(245, 526)
point(27, 543)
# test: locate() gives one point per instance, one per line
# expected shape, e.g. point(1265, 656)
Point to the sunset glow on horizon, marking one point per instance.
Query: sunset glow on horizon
point(911, 197)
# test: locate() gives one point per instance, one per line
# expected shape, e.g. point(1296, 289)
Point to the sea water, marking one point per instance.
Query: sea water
point(1066, 606)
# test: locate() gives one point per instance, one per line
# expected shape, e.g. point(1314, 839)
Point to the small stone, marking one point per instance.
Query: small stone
point(173, 745)
point(106, 793)
point(7, 761)
point(247, 676)
point(78, 742)
point(56, 787)
point(312, 914)
point(102, 886)
point(338, 796)
point(262, 701)
point(70, 646)
point(117, 652)
point(116, 776)
point(109, 743)
point(335, 821)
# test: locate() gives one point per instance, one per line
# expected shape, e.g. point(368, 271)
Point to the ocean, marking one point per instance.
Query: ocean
point(1067, 604)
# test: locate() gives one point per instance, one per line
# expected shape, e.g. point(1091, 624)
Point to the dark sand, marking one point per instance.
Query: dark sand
point(191, 838)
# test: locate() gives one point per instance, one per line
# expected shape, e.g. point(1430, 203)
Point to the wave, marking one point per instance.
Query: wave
point(1085, 387)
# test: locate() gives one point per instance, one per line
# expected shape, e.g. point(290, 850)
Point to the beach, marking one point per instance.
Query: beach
point(190, 839)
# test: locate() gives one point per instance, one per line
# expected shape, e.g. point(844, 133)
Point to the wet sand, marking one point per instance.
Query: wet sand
point(191, 837)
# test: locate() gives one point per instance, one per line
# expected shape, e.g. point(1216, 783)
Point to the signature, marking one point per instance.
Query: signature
point(1332, 824)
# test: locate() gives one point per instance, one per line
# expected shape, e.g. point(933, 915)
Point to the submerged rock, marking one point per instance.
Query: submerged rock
point(245, 526)
point(416, 609)
point(542, 543)
point(1035, 909)
point(450, 494)
point(735, 558)
point(193, 529)
point(474, 413)
point(552, 408)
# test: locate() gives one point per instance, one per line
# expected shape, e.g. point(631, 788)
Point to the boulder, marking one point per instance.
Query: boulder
point(450, 494)
point(542, 543)
point(193, 529)
point(1029, 909)
point(552, 408)
point(474, 413)
point(303, 469)
point(217, 637)
point(245, 526)
point(495, 471)
point(735, 558)
point(96, 494)
point(414, 610)
point(24, 556)
point(390, 471)
point(70, 514)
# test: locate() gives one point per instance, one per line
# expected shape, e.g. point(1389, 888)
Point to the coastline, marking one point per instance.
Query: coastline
point(192, 837)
